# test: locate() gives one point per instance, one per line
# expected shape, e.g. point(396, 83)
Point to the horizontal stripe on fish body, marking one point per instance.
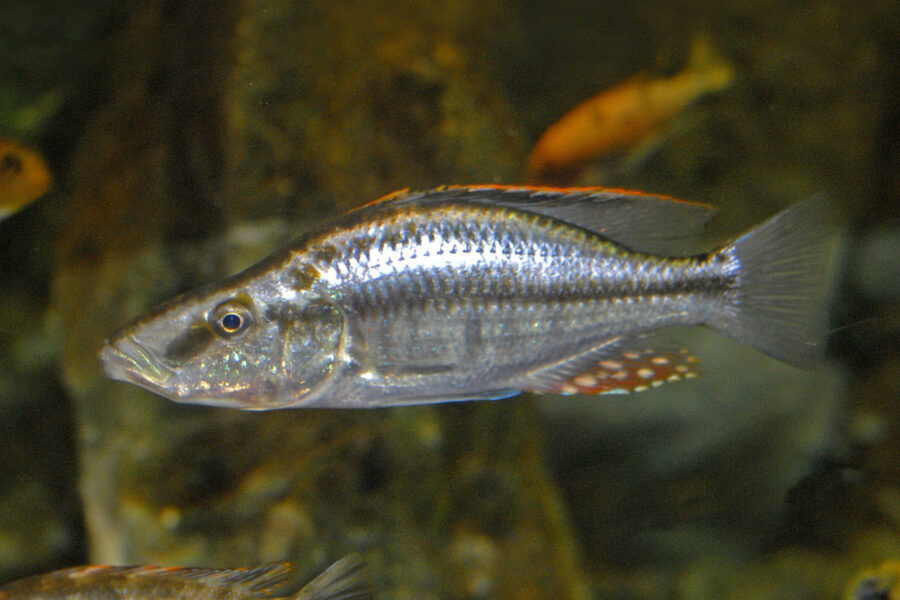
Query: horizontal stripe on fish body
point(496, 252)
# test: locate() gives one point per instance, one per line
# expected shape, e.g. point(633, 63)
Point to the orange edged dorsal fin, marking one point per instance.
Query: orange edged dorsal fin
point(385, 199)
point(643, 222)
point(251, 580)
point(255, 580)
point(626, 372)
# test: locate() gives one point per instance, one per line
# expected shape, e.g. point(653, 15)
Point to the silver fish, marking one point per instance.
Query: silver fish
point(344, 580)
point(464, 293)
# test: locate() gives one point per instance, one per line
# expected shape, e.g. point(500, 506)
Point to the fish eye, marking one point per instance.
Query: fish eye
point(11, 163)
point(231, 318)
point(231, 322)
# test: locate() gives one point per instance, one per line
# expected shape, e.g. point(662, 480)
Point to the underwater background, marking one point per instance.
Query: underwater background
point(188, 139)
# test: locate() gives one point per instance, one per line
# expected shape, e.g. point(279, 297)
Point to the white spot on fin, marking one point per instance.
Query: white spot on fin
point(627, 371)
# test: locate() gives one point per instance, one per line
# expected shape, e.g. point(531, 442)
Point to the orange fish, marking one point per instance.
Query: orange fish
point(628, 114)
point(24, 177)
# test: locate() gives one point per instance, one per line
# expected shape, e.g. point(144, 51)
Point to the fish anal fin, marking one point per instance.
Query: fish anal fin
point(344, 580)
point(638, 154)
point(627, 371)
point(549, 377)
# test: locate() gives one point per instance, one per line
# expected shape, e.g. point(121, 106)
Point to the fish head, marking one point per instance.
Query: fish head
point(256, 346)
point(24, 177)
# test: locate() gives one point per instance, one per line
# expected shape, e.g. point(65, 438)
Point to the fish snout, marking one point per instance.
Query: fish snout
point(125, 359)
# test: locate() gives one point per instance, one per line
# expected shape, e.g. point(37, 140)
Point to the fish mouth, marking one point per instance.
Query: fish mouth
point(125, 359)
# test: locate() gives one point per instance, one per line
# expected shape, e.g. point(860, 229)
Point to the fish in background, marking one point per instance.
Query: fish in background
point(344, 580)
point(24, 177)
point(627, 116)
point(481, 292)
point(880, 583)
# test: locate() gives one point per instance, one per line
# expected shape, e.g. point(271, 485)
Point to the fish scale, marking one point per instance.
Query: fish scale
point(504, 259)
point(506, 328)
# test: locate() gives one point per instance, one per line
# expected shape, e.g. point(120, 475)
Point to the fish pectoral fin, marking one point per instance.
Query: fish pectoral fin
point(423, 368)
point(344, 580)
point(614, 368)
point(638, 154)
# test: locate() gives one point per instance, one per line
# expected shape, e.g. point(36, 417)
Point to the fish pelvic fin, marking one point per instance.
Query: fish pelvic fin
point(344, 580)
point(780, 302)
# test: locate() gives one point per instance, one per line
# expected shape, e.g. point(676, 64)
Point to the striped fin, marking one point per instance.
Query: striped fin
point(344, 580)
point(255, 580)
point(784, 273)
point(643, 222)
point(627, 371)
point(396, 196)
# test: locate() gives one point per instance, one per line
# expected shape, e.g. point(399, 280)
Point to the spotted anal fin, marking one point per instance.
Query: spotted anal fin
point(624, 372)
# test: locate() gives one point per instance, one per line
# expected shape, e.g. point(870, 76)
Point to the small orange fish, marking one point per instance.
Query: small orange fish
point(24, 177)
point(623, 116)
point(880, 583)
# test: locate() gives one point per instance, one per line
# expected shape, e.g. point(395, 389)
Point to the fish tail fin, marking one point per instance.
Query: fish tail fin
point(713, 71)
point(344, 580)
point(780, 302)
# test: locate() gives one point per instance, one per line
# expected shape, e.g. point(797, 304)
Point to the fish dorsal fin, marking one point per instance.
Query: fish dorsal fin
point(617, 367)
point(253, 580)
point(639, 221)
point(259, 579)
point(344, 580)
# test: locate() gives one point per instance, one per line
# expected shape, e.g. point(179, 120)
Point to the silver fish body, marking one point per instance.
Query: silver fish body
point(474, 293)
